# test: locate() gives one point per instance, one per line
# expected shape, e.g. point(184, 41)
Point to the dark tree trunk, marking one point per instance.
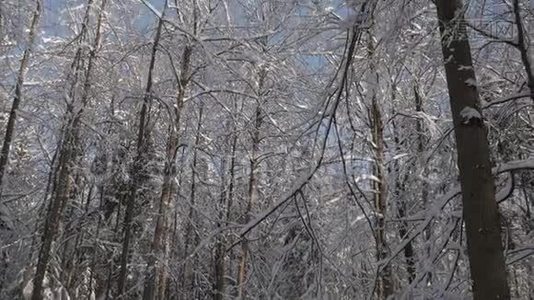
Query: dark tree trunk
point(480, 211)
point(138, 165)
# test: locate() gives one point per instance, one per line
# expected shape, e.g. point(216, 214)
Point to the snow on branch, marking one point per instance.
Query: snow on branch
point(508, 189)
point(434, 211)
point(525, 164)
point(288, 196)
point(507, 99)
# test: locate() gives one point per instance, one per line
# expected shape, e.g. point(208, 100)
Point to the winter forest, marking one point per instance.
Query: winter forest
point(266, 149)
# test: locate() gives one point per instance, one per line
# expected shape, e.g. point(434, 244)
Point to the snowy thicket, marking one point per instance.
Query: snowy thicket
point(259, 149)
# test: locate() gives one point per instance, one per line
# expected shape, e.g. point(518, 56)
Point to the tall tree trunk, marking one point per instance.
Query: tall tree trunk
point(419, 128)
point(69, 149)
point(218, 256)
point(252, 185)
point(400, 190)
point(224, 218)
point(409, 252)
point(228, 209)
point(380, 188)
point(480, 211)
point(385, 284)
point(10, 127)
point(400, 199)
point(191, 235)
point(174, 252)
point(522, 45)
point(156, 280)
point(219, 253)
point(137, 171)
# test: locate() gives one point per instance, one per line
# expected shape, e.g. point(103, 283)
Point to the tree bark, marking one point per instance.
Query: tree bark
point(480, 211)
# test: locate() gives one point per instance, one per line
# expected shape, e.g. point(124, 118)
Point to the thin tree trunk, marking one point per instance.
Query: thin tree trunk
point(385, 284)
point(380, 189)
point(400, 190)
point(156, 280)
point(480, 212)
point(224, 217)
point(522, 45)
point(218, 257)
point(230, 197)
point(67, 153)
point(77, 253)
point(424, 185)
point(52, 222)
point(10, 127)
point(252, 187)
point(191, 236)
point(137, 169)
point(95, 255)
point(174, 252)
point(42, 208)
